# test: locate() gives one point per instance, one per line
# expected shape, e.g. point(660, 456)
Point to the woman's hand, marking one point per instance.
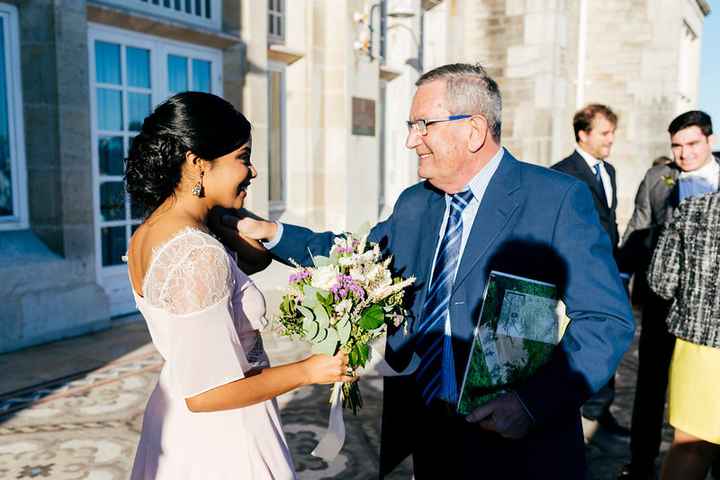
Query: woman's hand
point(320, 369)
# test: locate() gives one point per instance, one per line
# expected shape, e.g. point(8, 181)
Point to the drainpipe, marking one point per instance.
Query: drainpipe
point(582, 52)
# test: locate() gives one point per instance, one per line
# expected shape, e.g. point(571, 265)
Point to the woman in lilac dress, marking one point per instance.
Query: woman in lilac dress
point(212, 413)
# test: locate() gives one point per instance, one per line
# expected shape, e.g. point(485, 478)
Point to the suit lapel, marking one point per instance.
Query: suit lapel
point(613, 184)
point(585, 173)
point(496, 208)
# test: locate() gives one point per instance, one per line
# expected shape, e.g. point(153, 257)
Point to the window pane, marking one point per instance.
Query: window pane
point(109, 109)
point(177, 74)
point(198, 4)
point(201, 75)
point(107, 62)
point(110, 154)
point(208, 11)
point(112, 201)
point(188, 8)
point(114, 245)
point(138, 67)
point(276, 168)
point(6, 188)
point(138, 109)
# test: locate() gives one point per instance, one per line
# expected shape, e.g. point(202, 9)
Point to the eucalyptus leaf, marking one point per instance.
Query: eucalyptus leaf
point(344, 328)
point(310, 296)
point(372, 318)
point(328, 345)
point(311, 328)
point(322, 335)
point(306, 312)
point(321, 316)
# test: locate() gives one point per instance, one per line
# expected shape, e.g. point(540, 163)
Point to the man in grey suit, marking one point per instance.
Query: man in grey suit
point(694, 171)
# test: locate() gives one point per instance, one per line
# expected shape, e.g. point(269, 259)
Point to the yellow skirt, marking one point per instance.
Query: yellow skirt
point(695, 390)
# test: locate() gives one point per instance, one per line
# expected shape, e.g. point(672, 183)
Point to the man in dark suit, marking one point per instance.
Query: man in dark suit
point(694, 171)
point(479, 210)
point(594, 128)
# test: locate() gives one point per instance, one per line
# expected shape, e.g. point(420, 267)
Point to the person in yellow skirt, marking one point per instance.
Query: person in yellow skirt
point(686, 269)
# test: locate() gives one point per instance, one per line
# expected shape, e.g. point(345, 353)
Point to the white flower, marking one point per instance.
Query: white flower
point(343, 307)
point(324, 277)
point(347, 261)
point(385, 290)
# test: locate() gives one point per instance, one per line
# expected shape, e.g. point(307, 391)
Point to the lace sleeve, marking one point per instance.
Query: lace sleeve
point(190, 273)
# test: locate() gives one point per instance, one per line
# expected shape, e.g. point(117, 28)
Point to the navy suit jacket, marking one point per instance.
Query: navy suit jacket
point(576, 166)
point(532, 222)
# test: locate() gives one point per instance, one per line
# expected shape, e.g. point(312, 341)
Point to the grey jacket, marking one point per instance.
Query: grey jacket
point(685, 268)
point(657, 198)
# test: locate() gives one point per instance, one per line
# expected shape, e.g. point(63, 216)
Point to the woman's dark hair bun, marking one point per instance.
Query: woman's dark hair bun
point(197, 122)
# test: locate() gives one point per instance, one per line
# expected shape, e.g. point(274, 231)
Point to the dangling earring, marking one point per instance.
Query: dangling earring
point(198, 189)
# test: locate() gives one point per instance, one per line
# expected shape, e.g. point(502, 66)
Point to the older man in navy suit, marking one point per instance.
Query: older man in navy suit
point(480, 209)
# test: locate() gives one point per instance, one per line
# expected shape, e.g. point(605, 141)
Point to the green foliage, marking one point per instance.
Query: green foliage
point(372, 318)
point(329, 343)
point(359, 355)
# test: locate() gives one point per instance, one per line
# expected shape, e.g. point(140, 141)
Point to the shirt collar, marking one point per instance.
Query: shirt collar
point(709, 171)
point(589, 159)
point(478, 184)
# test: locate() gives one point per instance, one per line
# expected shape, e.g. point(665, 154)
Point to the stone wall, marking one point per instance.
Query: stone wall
point(49, 270)
point(631, 63)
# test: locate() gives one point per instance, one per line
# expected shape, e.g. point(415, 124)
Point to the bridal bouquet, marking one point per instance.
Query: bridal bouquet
point(344, 302)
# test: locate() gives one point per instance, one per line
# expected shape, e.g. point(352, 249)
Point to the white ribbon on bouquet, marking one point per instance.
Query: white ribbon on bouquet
point(334, 438)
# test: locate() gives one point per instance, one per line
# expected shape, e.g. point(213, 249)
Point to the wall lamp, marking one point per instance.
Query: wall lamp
point(365, 40)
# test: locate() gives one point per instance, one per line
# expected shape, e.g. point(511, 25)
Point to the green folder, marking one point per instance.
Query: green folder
point(521, 321)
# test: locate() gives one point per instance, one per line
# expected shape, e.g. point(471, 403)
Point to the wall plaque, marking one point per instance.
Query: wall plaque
point(363, 116)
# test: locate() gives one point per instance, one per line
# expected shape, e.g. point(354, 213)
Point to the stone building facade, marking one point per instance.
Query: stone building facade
point(327, 85)
point(551, 57)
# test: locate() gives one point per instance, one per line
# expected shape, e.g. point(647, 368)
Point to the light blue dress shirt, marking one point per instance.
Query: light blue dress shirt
point(478, 184)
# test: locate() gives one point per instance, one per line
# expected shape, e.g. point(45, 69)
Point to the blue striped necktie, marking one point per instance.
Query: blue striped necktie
point(436, 373)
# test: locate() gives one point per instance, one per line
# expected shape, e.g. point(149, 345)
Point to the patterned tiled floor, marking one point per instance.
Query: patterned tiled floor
point(86, 426)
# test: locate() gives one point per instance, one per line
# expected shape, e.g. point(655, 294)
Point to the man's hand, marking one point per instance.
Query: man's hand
point(250, 225)
point(505, 415)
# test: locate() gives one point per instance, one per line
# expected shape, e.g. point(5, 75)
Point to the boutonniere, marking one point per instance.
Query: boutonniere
point(668, 180)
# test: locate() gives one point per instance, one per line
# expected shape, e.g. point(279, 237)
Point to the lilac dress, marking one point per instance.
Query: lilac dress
point(204, 315)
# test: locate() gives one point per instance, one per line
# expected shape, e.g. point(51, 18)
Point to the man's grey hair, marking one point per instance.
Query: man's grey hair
point(469, 90)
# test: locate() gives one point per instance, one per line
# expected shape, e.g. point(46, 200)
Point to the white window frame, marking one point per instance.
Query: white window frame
point(16, 123)
point(277, 207)
point(114, 279)
point(274, 37)
point(199, 18)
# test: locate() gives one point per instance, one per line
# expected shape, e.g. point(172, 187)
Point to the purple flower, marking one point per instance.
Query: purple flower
point(299, 276)
point(346, 285)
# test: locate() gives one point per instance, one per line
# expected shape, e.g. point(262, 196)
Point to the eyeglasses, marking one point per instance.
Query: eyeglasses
point(420, 125)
